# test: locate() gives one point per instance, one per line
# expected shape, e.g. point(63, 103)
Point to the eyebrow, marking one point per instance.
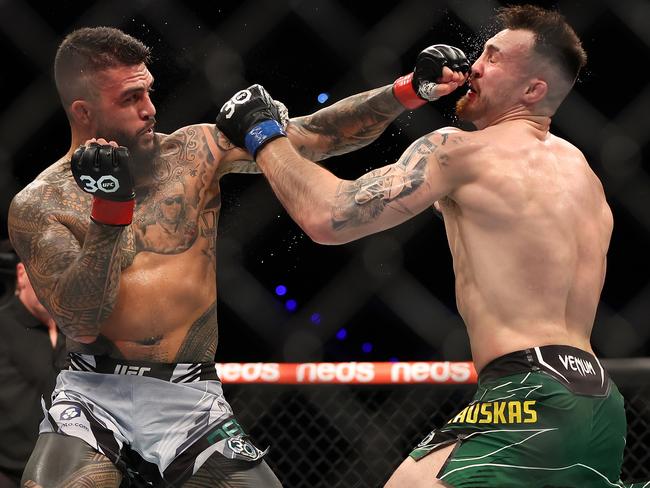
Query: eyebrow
point(136, 89)
point(492, 48)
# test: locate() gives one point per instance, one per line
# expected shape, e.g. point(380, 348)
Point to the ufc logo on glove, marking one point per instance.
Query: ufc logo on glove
point(106, 183)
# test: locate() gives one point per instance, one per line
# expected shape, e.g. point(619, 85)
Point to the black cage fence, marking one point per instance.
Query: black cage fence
point(394, 289)
point(355, 436)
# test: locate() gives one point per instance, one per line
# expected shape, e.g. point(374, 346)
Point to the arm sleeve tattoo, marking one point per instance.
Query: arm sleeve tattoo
point(346, 126)
point(77, 283)
point(364, 200)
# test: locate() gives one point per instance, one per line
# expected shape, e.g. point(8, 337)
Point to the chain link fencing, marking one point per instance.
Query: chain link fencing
point(399, 281)
point(355, 436)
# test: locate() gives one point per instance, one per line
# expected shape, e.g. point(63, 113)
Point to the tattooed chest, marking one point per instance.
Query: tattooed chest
point(171, 224)
point(163, 225)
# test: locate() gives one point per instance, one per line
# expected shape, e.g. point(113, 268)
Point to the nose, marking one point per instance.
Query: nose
point(476, 71)
point(148, 110)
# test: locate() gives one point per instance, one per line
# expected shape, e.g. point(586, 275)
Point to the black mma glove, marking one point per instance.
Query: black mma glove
point(103, 171)
point(417, 88)
point(250, 119)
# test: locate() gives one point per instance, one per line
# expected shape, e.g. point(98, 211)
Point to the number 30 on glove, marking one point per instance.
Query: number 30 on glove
point(103, 171)
point(250, 119)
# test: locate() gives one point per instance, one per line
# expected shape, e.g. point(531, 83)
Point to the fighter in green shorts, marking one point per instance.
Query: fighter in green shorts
point(543, 417)
point(528, 227)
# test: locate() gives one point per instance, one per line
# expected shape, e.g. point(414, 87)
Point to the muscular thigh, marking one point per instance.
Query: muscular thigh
point(60, 461)
point(220, 472)
point(422, 473)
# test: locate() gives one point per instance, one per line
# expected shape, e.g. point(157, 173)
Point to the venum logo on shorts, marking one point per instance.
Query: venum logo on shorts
point(582, 366)
point(70, 413)
point(243, 447)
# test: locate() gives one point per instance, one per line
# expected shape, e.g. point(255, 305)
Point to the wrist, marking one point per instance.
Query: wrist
point(405, 94)
point(112, 212)
point(261, 134)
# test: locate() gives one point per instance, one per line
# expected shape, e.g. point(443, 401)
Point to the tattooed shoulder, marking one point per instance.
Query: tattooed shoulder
point(444, 144)
point(364, 200)
point(27, 220)
point(184, 146)
point(204, 144)
point(53, 198)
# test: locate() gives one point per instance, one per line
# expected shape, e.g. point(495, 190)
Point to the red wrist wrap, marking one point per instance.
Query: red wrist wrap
point(405, 94)
point(112, 213)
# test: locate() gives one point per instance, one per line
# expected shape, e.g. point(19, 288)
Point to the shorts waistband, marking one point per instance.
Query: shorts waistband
point(579, 370)
point(172, 372)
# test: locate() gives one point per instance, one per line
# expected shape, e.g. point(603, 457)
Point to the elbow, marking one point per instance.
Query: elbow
point(320, 231)
point(83, 333)
point(84, 339)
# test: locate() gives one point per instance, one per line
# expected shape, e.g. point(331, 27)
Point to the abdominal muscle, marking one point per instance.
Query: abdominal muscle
point(160, 298)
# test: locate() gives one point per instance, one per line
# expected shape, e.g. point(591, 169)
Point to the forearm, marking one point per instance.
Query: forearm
point(345, 126)
point(306, 190)
point(84, 295)
point(335, 211)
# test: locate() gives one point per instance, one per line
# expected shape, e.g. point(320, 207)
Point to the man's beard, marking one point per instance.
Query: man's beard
point(463, 111)
point(143, 160)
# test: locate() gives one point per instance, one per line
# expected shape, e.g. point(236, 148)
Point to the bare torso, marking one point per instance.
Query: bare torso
point(529, 239)
point(165, 309)
point(150, 293)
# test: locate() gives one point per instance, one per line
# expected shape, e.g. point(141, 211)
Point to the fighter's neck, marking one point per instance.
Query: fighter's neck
point(538, 121)
point(78, 138)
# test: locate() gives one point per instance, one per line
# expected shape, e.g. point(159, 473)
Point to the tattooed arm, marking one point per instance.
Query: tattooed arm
point(78, 284)
point(335, 211)
point(231, 158)
point(347, 125)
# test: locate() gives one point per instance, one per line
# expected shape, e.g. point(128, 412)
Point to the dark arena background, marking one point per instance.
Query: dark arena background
point(387, 297)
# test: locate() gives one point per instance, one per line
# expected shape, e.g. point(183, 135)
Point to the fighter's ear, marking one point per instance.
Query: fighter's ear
point(535, 91)
point(21, 276)
point(80, 111)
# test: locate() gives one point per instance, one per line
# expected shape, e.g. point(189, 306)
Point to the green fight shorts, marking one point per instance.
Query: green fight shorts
point(546, 417)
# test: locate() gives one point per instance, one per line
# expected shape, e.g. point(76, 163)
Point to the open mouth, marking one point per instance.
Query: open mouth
point(147, 131)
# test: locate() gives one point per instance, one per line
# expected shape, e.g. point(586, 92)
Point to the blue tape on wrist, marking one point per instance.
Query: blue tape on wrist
point(261, 134)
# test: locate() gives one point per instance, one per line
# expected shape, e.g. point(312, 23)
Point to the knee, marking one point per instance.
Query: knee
point(59, 460)
point(403, 475)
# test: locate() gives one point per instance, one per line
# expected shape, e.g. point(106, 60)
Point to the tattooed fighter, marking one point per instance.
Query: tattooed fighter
point(118, 238)
point(528, 227)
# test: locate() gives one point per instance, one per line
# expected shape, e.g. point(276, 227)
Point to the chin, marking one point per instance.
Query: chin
point(466, 112)
point(148, 147)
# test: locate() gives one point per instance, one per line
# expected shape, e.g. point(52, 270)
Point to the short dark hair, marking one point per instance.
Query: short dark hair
point(88, 50)
point(555, 39)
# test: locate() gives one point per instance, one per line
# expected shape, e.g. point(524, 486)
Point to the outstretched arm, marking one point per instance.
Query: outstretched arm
point(334, 211)
point(358, 120)
point(345, 126)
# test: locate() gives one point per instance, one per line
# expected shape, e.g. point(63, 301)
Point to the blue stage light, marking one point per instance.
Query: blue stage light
point(291, 305)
